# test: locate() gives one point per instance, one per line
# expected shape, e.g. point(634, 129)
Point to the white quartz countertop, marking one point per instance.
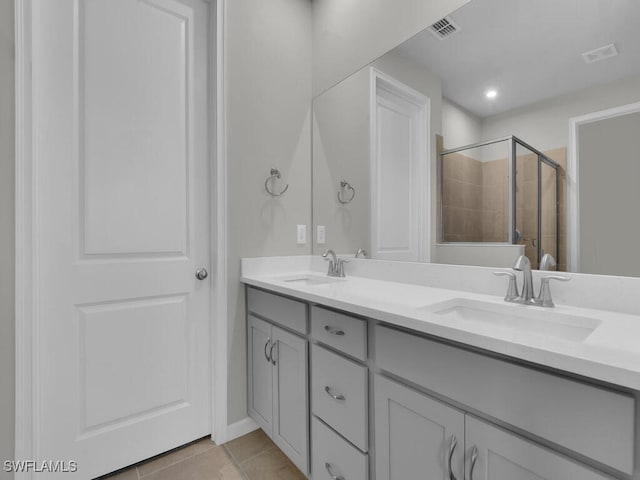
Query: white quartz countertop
point(611, 353)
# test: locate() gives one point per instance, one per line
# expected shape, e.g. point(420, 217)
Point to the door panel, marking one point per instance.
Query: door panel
point(157, 327)
point(414, 434)
point(290, 387)
point(134, 86)
point(260, 373)
point(122, 223)
point(504, 456)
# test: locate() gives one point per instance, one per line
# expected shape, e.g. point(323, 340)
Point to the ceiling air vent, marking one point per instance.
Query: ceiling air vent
point(601, 53)
point(444, 28)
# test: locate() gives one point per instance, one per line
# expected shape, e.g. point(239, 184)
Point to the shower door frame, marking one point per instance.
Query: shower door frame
point(511, 160)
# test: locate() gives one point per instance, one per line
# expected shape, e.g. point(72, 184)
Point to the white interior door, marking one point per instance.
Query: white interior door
point(122, 223)
point(399, 171)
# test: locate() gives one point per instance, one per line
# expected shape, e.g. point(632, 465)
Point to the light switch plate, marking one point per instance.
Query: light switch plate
point(301, 235)
point(321, 235)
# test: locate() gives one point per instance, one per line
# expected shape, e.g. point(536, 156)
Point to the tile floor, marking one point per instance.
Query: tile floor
point(251, 457)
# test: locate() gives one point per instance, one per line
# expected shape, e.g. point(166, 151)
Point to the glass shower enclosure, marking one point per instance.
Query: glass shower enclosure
point(501, 191)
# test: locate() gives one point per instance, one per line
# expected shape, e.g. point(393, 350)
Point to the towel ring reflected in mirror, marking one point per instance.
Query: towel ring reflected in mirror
point(275, 174)
point(341, 197)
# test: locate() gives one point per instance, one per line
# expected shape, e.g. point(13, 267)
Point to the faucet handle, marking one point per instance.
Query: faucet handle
point(544, 298)
point(340, 267)
point(512, 291)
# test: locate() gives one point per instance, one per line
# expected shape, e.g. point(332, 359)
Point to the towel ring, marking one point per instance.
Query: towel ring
point(275, 173)
point(344, 184)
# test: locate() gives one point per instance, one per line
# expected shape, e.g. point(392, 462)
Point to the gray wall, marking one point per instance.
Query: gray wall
point(347, 35)
point(609, 169)
point(268, 80)
point(545, 125)
point(6, 234)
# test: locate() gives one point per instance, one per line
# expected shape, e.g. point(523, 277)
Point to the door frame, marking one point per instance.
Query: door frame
point(423, 103)
point(26, 216)
point(573, 175)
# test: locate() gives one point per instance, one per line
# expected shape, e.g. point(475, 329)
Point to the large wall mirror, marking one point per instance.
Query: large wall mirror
point(509, 127)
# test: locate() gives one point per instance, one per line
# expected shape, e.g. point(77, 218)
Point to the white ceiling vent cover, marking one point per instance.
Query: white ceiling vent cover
point(444, 28)
point(601, 53)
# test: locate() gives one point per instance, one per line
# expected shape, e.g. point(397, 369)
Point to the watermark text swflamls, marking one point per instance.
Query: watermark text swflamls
point(51, 466)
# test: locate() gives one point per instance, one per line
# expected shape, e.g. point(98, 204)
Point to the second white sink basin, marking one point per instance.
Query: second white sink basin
point(312, 280)
point(515, 318)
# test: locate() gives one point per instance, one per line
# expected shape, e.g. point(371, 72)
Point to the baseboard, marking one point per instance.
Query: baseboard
point(240, 428)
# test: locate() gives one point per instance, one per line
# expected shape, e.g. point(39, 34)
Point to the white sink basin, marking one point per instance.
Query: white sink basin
point(312, 280)
point(513, 318)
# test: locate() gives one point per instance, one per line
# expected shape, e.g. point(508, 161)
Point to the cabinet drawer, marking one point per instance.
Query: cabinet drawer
point(340, 331)
point(335, 376)
point(590, 420)
point(277, 309)
point(334, 456)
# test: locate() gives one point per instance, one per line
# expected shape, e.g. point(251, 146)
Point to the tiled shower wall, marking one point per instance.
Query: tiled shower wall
point(462, 199)
point(475, 199)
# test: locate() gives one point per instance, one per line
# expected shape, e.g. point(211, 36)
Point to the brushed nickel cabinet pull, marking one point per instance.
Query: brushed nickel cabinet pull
point(333, 395)
point(474, 459)
point(452, 449)
point(266, 345)
point(273, 359)
point(334, 331)
point(327, 465)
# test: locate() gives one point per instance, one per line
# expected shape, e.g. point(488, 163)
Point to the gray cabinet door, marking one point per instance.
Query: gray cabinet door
point(500, 455)
point(290, 396)
point(414, 434)
point(260, 374)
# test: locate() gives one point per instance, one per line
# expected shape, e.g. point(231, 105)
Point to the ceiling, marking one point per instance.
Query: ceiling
point(529, 50)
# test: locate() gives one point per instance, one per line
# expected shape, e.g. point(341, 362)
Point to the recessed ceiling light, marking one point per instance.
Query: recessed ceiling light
point(491, 93)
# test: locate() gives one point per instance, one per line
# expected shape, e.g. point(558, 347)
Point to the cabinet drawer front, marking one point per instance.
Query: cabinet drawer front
point(339, 331)
point(335, 376)
point(333, 455)
point(592, 421)
point(277, 309)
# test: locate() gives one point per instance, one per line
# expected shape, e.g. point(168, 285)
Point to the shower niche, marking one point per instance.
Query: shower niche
point(502, 192)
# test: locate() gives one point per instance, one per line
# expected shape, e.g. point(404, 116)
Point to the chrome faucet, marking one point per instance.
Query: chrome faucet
point(336, 265)
point(527, 296)
point(332, 262)
point(363, 252)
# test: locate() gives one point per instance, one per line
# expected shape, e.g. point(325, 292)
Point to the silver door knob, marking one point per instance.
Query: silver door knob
point(201, 273)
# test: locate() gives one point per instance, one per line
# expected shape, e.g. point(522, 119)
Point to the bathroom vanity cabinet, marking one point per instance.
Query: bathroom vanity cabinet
point(385, 403)
point(278, 399)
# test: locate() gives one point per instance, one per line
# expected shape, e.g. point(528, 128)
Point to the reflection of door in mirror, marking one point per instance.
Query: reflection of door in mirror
point(608, 169)
point(399, 171)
